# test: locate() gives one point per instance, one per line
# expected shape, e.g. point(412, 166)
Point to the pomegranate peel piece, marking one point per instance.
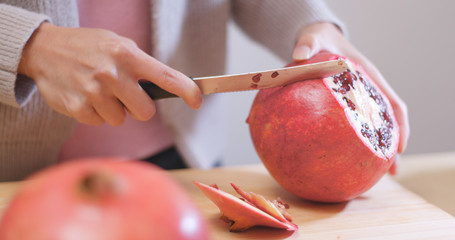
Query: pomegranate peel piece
point(262, 203)
point(253, 210)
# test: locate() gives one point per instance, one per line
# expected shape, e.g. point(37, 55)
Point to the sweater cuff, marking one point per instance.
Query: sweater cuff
point(16, 27)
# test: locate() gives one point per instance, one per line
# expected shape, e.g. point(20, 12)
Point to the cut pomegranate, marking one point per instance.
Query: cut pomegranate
point(326, 139)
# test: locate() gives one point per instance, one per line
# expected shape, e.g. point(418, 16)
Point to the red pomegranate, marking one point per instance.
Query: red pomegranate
point(328, 139)
point(102, 199)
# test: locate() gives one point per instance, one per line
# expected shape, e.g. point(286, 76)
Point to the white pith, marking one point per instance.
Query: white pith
point(367, 111)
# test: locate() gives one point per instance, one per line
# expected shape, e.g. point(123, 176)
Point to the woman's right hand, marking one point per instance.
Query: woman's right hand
point(92, 75)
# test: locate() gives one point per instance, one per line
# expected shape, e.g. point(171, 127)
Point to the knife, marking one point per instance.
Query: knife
point(255, 80)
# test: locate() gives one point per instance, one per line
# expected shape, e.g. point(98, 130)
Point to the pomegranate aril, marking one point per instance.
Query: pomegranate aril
point(351, 104)
point(387, 118)
point(339, 90)
point(382, 133)
point(344, 81)
point(365, 103)
point(376, 97)
point(384, 137)
point(368, 133)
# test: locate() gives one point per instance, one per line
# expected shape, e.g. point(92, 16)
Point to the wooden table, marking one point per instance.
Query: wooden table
point(431, 176)
point(387, 211)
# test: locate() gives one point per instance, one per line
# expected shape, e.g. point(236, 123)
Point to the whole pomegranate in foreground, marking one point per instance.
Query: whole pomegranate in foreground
point(102, 199)
point(328, 139)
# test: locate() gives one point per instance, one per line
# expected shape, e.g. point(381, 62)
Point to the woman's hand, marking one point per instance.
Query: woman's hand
point(92, 75)
point(326, 36)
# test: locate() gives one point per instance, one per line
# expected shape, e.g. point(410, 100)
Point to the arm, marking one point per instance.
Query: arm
point(276, 24)
point(16, 27)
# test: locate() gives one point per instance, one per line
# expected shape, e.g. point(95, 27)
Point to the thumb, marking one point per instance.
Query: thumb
point(307, 46)
point(393, 170)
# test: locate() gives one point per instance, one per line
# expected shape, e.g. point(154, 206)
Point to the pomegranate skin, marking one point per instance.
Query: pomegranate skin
point(308, 145)
point(102, 198)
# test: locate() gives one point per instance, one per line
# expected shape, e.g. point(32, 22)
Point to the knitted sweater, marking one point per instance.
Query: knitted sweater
point(188, 35)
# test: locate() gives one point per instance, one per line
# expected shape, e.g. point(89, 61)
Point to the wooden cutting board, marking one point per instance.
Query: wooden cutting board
point(387, 211)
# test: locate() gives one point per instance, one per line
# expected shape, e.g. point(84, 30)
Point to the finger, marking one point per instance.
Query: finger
point(393, 170)
point(138, 104)
point(111, 110)
point(401, 114)
point(87, 115)
point(99, 93)
point(114, 92)
point(168, 79)
point(307, 46)
point(70, 104)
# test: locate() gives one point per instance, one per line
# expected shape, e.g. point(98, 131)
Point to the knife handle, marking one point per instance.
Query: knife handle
point(154, 91)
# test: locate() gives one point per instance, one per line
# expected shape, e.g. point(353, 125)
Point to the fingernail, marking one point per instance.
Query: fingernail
point(301, 53)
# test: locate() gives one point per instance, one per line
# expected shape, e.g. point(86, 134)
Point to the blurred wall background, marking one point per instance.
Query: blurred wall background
point(412, 44)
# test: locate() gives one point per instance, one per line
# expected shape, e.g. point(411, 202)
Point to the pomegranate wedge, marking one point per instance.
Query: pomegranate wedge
point(252, 210)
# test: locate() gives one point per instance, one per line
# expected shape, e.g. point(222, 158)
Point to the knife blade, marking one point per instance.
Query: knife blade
point(255, 80)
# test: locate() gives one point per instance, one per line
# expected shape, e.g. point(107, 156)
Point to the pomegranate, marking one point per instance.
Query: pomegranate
point(326, 140)
point(102, 198)
point(250, 210)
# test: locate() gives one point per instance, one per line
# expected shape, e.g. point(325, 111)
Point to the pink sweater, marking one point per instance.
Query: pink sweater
point(134, 138)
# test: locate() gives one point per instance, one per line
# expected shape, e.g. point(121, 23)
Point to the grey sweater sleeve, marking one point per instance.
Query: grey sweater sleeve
point(16, 27)
point(276, 24)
